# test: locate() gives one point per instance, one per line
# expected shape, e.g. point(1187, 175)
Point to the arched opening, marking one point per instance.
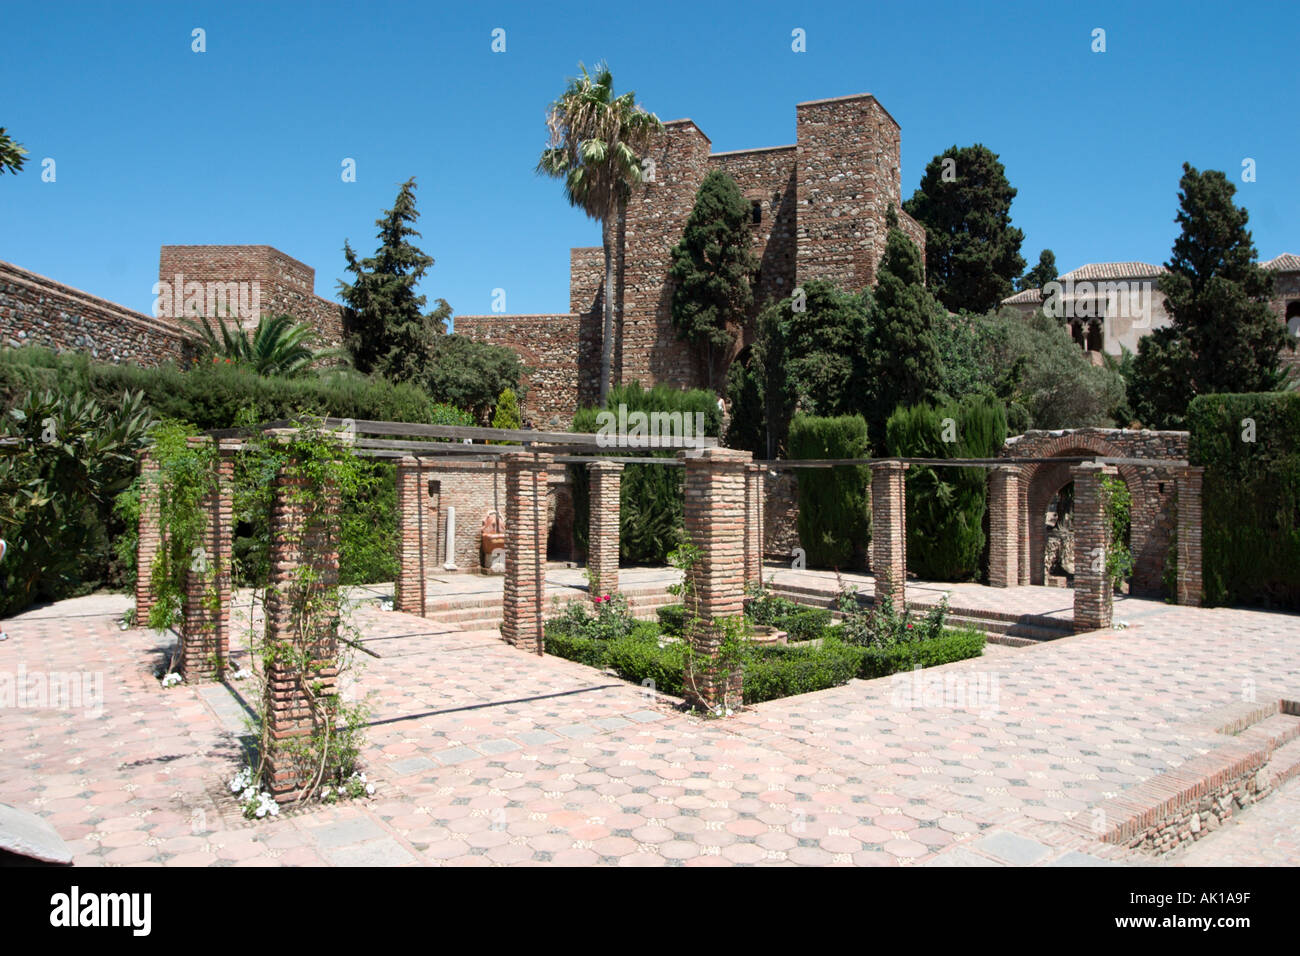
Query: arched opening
point(1058, 530)
point(1293, 318)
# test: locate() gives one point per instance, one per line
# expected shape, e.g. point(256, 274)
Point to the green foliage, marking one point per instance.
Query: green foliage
point(775, 671)
point(278, 346)
point(595, 148)
point(882, 626)
point(799, 623)
point(12, 154)
point(650, 499)
point(1250, 537)
point(672, 618)
point(1041, 274)
point(1119, 508)
point(70, 459)
point(951, 645)
point(214, 396)
point(385, 327)
point(905, 359)
point(507, 411)
point(809, 354)
point(946, 506)
point(972, 252)
point(611, 621)
point(1224, 337)
point(834, 506)
point(470, 375)
point(711, 270)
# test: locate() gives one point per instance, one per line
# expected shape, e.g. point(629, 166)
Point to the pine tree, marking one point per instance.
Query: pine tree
point(1224, 337)
point(905, 368)
point(972, 252)
point(711, 270)
point(1041, 274)
point(384, 325)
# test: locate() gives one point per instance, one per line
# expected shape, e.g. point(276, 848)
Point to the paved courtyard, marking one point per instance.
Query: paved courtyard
point(484, 755)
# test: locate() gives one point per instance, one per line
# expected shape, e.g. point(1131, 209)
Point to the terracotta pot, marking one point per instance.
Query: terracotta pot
point(492, 535)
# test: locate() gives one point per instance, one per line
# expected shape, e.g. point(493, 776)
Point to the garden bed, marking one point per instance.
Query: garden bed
point(823, 655)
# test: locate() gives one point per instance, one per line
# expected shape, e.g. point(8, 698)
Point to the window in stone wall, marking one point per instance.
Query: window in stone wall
point(1293, 318)
point(756, 211)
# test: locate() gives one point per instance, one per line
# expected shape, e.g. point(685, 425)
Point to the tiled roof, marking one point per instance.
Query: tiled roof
point(1114, 270)
point(1028, 295)
point(1286, 262)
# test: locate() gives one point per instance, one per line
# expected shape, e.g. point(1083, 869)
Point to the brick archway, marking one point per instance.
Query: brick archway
point(1151, 487)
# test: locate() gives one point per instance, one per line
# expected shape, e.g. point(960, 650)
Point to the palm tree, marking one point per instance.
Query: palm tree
point(279, 346)
point(595, 148)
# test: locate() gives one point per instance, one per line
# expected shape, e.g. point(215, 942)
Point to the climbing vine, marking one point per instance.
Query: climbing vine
point(1118, 504)
point(733, 638)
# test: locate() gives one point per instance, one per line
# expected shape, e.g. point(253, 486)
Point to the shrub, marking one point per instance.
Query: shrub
point(776, 671)
point(672, 618)
point(611, 621)
point(640, 659)
point(951, 645)
point(834, 508)
point(1250, 448)
point(881, 626)
point(800, 623)
point(946, 506)
point(58, 485)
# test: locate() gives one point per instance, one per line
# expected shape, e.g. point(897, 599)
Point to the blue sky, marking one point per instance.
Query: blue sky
point(155, 144)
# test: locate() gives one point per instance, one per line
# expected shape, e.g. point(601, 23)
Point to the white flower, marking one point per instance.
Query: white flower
point(370, 789)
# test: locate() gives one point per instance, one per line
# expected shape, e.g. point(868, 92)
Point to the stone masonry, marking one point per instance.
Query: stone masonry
point(1190, 580)
point(755, 485)
point(889, 531)
point(819, 210)
point(714, 504)
point(524, 590)
point(603, 545)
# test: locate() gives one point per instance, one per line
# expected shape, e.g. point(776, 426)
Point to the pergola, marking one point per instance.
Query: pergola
point(723, 511)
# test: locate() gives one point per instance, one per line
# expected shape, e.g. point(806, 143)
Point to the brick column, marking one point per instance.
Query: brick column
point(889, 531)
point(754, 501)
point(410, 588)
point(715, 497)
point(205, 605)
point(525, 584)
point(302, 533)
point(1093, 593)
point(1004, 527)
point(1190, 582)
point(150, 538)
point(1022, 507)
point(602, 535)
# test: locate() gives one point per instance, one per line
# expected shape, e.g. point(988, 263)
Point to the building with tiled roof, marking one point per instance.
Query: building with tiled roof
point(1109, 306)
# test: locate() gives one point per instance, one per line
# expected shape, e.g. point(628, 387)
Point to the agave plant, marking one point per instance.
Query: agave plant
point(280, 345)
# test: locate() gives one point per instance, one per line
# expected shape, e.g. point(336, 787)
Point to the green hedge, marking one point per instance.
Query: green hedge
point(211, 396)
point(954, 645)
point(946, 506)
point(1250, 535)
point(834, 503)
point(776, 671)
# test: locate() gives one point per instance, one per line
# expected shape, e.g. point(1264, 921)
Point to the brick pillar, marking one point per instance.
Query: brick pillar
point(205, 606)
point(889, 531)
point(1190, 582)
point(150, 538)
point(410, 587)
point(1093, 593)
point(1024, 564)
point(715, 500)
point(302, 533)
point(602, 536)
point(525, 584)
point(754, 501)
point(1004, 526)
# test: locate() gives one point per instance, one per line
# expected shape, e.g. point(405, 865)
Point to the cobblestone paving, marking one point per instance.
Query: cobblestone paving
point(484, 755)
